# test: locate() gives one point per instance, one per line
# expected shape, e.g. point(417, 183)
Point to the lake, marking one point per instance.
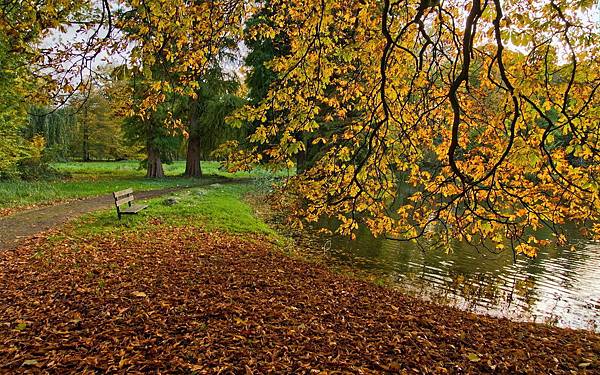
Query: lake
point(560, 287)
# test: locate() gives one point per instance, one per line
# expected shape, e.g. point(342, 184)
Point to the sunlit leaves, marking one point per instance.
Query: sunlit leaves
point(464, 119)
point(526, 146)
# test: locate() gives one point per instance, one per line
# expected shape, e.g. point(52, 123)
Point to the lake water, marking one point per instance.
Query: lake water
point(561, 286)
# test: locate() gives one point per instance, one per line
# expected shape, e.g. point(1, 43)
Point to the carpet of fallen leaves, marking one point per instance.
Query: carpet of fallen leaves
point(178, 300)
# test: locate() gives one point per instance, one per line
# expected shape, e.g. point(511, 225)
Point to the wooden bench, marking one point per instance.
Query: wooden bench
point(125, 198)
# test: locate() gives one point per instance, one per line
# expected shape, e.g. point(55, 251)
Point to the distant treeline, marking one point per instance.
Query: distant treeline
point(82, 133)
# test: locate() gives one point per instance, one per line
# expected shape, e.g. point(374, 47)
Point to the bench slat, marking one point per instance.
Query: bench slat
point(125, 200)
point(119, 194)
point(134, 209)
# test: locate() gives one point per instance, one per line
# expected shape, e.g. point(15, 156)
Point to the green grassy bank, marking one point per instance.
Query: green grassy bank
point(97, 178)
point(215, 207)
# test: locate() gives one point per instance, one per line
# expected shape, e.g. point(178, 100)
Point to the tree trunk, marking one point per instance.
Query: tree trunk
point(300, 161)
point(86, 136)
point(193, 168)
point(154, 168)
point(192, 160)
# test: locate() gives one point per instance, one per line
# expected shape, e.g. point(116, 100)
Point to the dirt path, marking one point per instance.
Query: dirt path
point(19, 226)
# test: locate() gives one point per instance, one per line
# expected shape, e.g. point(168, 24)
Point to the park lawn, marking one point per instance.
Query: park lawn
point(215, 207)
point(131, 168)
point(98, 178)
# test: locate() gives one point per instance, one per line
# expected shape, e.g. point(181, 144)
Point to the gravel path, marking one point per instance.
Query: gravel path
point(21, 225)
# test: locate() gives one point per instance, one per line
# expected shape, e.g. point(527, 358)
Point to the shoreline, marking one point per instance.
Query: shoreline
point(307, 244)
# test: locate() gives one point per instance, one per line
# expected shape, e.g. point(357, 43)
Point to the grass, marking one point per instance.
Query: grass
point(98, 178)
point(131, 168)
point(20, 193)
point(214, 207)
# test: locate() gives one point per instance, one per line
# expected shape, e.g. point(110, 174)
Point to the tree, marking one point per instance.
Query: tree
point(484, 115)
point(57, 127)
point(99, 134)
point(451, 104)
point(14, 88)
point(180, 38)
point(262, 49)
point(215, 100)
point(185, 42)
point(35, 75)
point(151, 129)
point(89, 127)
point(158, 143)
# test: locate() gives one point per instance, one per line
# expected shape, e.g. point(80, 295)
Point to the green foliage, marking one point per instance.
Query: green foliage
point(12, 110)
point(57, 127)
point(262, 49)
point(38, 168)
point(153, 130)
point(217, 98)
point(89, 127)
point(99, 134)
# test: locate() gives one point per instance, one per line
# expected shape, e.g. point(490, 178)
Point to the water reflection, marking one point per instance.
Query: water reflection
point(561, 286)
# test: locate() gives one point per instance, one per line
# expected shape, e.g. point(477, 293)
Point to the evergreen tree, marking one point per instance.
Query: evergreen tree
point(207, 129)
point(150, 131)
point(262, 49)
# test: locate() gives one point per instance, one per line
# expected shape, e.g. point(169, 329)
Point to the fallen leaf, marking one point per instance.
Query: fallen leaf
point(207, 316)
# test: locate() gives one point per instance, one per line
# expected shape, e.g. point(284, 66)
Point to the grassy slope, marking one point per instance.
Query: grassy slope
point(97, 178)
point(215, 207)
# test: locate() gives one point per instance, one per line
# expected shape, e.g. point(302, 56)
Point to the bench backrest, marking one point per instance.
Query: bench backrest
point(123, 197)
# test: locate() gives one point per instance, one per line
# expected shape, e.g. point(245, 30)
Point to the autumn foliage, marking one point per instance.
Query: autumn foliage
point(475, 120)
point(424, 120)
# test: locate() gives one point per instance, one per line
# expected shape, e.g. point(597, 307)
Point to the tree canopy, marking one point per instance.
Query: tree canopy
point(475, 120)
point(470, 120)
